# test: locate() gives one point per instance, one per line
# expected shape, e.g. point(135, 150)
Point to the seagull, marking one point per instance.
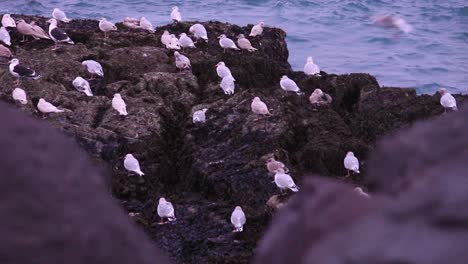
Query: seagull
point(46, 107)
point(146, 25)
point(351, 163)
point(119, 104)
point(244, 43)
point(273, 165)
point(199, 116)
point(175, 14)
point(38, 31)
point(165, 211)
point(185, 41)
point(199, 31)
point(106, 26)
point(284, 181)
point(166, 38)
point(310, 68)
point(318, 97)
point(289, 85)
point(227, 84)
point(131, 22)
point(25, 29)
point(5, 36)
point(258, 107)
point(82, 85)
point(19, 95)
point(93, 67)
point(222, 70)
point(7, 21)
point(447, 100)
point(60, 15)
point(5, 52)
point(227, 43)
point(20, 71)
point(174, 43)
point(181, 61)
point(132, 164)
point(361, 192)
point(238, 219)
point(257, 29)
point(57, 34)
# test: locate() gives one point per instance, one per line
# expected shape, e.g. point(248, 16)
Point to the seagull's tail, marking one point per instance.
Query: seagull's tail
point(59, 111)
point(294, 188)
point(206, 39)
point(36, 77)
point(172, 218)
point(357, 171)
point(69, 41)
point(299, 92)
point(66, 20)
point(455, 108)
point(238, 229)
point(252, 49)
point(139, 172)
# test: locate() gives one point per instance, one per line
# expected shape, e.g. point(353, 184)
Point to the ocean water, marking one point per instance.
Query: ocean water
point(339, 34)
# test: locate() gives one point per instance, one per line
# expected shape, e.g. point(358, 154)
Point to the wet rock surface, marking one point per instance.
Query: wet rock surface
point(416, 216)
point(207, 169)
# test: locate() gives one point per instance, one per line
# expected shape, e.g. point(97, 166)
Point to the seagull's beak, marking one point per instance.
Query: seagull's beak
point(10, 61)
point(219, 37)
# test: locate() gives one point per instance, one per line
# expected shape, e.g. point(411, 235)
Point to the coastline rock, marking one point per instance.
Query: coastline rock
point(207, 169)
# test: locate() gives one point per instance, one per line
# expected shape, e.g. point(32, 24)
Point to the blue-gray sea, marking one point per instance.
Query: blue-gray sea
point(339, 34)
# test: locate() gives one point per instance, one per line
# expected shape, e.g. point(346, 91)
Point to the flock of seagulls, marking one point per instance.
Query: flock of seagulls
point(165, 209)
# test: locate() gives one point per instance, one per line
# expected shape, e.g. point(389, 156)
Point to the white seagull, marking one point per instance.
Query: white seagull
point(284, 181)
point(165, 210)
point(227, 43)
point(361, 192)
point(244, 43)
point(199, 116)
point(60, 15)
point(199, 31)
point(181, 61)
point(146, 25)
point(318, 97)
point(222, 70)
point(227, 84)
point(20, 71)
point(46, 107)
point(351, 163)
point(82, 85)
point(175, 14)
point(289, 85)
point(238, 219)
point(57, 34)
point(5, 36)
point(447, 100)
point(185, 41)
point(106, 26)
point(7, 21)
point(93, 67)
point(132, 164)
point(257, 29)
point(19, 95)
point(259, 107)
point(310, 68)
point(119, 104)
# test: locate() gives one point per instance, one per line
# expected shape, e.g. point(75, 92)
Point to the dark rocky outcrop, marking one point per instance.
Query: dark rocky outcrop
point(419, 216)
point(206, 170)
point(54, 203)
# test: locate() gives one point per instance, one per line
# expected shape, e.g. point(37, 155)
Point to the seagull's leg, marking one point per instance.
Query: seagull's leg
point(24, 39)
point(347, 175)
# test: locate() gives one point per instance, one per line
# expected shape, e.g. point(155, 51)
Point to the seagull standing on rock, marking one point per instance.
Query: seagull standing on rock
point(20, 71)
point(119, 104)
point(238, 219)
point(25, 29)
point(19, 95)
point(175, 14)
point(257, 29)
point(38, 31)
point(310, 68)
point(273, 165)
point(93, 67)
point(132, 164)
point(165, 211)
point(447, 100)
point(259, 107)
point(57, 34)
point(227, 84)
point(46, 107)
point(284, 181)
point(82, 85)
point(60, 15)
point(318, 97)
point(185, 41)
point(351, 163)
point(106, 26)
point(146, 25)
point(244, 43)
point(199, 116)
point(7, 21)
point(222, 70)
point(199, 32)
point(181, 61)
point(5, 36)
point(289, 85)
point(227, 43)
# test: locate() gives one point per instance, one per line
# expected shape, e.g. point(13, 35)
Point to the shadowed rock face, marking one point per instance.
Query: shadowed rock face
point(423, 220)
point(207, 169)
point(54, 203)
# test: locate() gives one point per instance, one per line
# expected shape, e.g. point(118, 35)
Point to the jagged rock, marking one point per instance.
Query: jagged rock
point(421, 219)
point(54, 203)
point(207, 169)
